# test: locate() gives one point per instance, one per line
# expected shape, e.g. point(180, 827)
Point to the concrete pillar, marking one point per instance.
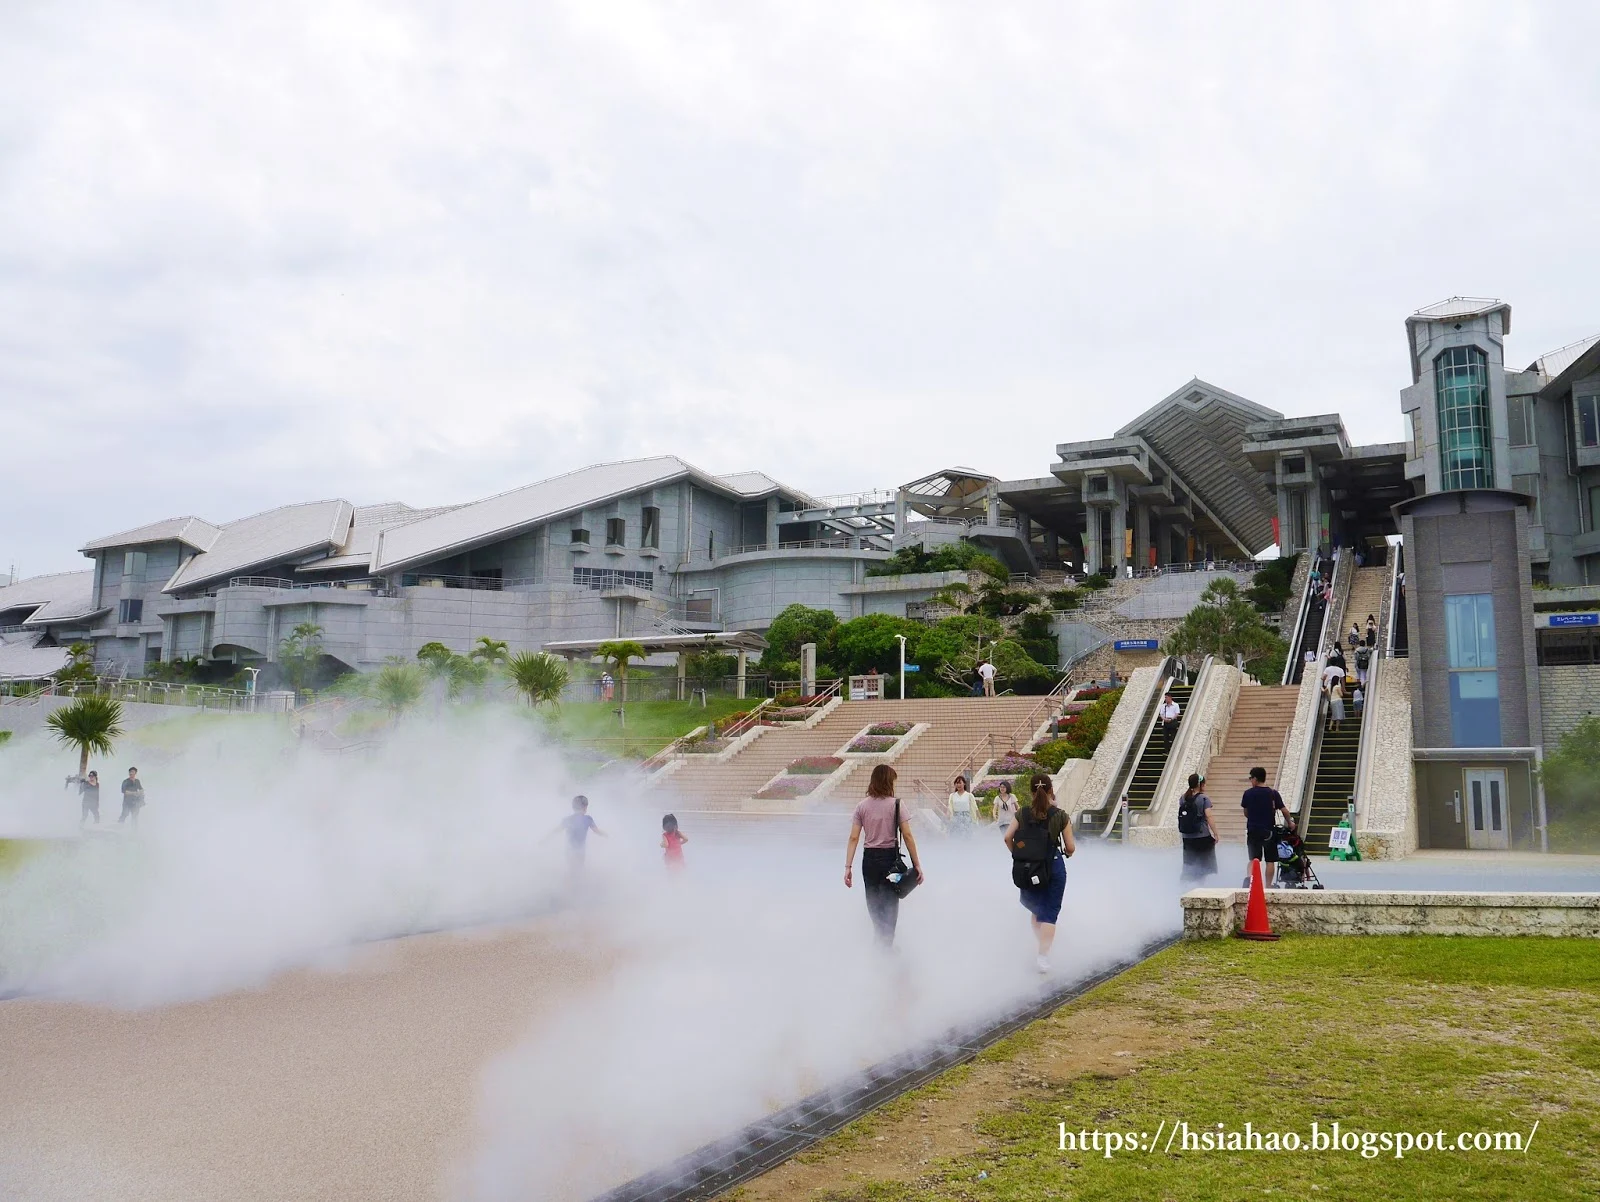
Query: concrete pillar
point(808, 670)
point(1316, 510)
point(1052, 545)
point(683, 672)
point(900, 511)
point(1025, 529)
point(1141, 535)
point(772, 523)
point(743, 659)
point(992, 500)
point(1119, 536)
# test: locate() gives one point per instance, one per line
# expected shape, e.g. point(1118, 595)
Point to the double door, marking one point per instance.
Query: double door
point(1487, 829)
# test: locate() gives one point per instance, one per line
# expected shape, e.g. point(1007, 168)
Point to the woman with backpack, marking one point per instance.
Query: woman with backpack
point(1198, 831)
point(885, 878)
point(1040, 840)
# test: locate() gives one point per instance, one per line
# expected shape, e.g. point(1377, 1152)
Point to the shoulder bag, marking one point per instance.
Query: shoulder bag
point(907, 874)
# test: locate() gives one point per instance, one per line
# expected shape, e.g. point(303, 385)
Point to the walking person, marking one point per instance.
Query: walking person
point(132, 797)
point(577, 826)
point(1355, 634)
point(960, 807)
point(1169, 713)
point(672, 841)
point(1005, 805)
point(1040, 840)
point(1261, 807)
point(879, 821)
point(986, 671)
point(1372, 630)
point(1358, 700)
point(1335, 702)
point(88, 796)
point(1363, 665)
point(1197, 830)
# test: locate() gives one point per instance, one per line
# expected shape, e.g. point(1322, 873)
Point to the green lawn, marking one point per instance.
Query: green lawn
point(1404, 1034)
point(650, 726)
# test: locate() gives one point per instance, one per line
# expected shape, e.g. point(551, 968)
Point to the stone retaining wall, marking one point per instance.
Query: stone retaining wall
point(1219, 913)
point(1568, 694)
point(1386, 818)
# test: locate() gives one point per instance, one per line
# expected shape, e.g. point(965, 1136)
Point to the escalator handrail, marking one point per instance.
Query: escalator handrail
point(1130, 765)
point(1297, 648)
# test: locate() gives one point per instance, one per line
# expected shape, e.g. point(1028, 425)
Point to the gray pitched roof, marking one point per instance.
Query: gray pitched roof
point(508, 513)
point(191, 531)
point(58, 596)
point(21, 658)
point(264, 539)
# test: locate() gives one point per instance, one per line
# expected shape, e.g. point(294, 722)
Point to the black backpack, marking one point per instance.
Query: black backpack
point(1191, 819)
point(1363, 658)
point(1033, 852)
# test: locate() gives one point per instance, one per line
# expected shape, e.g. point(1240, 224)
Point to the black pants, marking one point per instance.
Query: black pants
point(90, 807)
point(1199, 857)
point(131, 810)
point(884, 907)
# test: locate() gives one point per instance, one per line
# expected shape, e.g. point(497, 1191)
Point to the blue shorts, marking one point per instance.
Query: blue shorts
point(1045, 904)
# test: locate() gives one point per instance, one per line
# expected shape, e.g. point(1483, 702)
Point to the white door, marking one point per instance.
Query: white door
point(1486, 809)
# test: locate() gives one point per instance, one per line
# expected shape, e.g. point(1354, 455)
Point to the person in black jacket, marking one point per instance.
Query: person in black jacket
point(132, 797)
point(88, 795)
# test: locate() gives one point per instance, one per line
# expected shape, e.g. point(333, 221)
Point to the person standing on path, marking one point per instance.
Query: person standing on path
point(874, 824)
point(1336, 702)
point(1261, 807)
point(960, 807)
point(132, 797)
point(986, 671)
point(1372, 630)
point(1040, 840)
point(1199, 833)
point(88, 796)
point(1169, 713)
point(1363, 665)
point(672, 841)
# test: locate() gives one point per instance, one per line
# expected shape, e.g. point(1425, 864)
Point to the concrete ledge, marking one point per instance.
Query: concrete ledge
point(1219, 913)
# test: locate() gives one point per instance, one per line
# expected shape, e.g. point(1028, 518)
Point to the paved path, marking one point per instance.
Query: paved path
point(345, 1085)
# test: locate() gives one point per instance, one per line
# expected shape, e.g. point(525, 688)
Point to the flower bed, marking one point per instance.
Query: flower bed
point(705, 746)
point(1013, 765)
point(814, 765)
point(868, 744)
point(1091, 694)
point(889, 728)
point(787, 788)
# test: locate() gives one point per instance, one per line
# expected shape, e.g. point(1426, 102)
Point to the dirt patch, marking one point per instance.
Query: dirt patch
point(903, 1140)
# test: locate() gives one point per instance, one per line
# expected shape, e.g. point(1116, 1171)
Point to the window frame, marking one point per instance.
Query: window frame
point(1520, 412)
point(1588, 433)
point(578, 535)
point(130, 611)
point(650, 527)
point(1466, 427)
point(616, 532)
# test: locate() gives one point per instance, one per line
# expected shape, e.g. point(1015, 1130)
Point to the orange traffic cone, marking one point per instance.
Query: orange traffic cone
point(1256, 925)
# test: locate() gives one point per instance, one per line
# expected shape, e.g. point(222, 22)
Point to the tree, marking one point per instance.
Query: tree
point(435, 657)
point(1571, 778)
point(91, 724)
point(300, 654)
point(80, 664)
point(538, 676)
point(617, 652)
point(953, 648)
point(869, 641)
point(1227, 626)
point(492, 651)
point(397, 687)
point(794, 626)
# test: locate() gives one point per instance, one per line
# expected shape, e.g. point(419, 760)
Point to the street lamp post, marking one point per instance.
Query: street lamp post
point(902, 639)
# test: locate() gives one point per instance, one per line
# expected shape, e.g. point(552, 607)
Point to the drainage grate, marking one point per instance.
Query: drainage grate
point(767, 1143)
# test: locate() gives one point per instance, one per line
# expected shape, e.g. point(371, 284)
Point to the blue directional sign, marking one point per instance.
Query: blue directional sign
point(1136, 644)
point(913, 668)
point(1591, 619)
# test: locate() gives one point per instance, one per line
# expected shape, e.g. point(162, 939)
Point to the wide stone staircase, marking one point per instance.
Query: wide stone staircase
point(1366, 597)
point(1261, 720)
point(957, 727)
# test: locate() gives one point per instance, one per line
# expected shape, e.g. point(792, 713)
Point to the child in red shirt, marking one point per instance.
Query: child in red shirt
point(672, 841)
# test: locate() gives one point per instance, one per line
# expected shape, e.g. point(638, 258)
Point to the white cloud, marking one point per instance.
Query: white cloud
point(398, 251)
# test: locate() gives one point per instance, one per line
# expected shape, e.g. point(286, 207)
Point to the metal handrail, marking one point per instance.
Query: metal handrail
point(1365, 752)
point(1176, 753)
point(365, 584)
point(1296, 650)
point(1313, 739)
point(1396, 567)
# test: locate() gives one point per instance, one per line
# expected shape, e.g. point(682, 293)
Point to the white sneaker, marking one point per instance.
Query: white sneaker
point(1042, 964)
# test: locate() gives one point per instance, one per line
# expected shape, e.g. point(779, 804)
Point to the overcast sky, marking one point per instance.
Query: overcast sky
point(253, 254)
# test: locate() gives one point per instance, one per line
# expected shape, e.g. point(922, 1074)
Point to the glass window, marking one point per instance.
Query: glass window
point(130, 610)
point(1594, 509)
point(1519, 412)
point(1528, 484)
point(650, 533)
point(1474, 684)
point(579, 535)
point(616, 532)
point(1589, 421)
point(133, 564)
point(1461, 386)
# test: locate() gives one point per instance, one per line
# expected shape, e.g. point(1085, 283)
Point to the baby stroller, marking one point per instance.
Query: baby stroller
point(1294, 864)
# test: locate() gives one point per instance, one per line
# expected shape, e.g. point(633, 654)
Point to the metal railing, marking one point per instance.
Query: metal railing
point(845, 500)
point(366, 584)
point(1137, 748)
point(491, 584)
point(989, 745)
point(1397, 599)
point(1294, 797)
point(1298, 629)
point(148, 692)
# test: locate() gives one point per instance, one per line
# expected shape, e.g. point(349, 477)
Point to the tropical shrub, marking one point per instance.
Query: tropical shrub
point(813, 765)
point(538, 676)
point(1052, 756)
point(953, 557)
point(5, 737)
point(1571, 779)
point(1063, 599)
point(796, 625)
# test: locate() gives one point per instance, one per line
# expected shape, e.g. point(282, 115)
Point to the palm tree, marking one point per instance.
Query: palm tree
point(433, 656)
point(463, 673)
point(538, 676)
point(89, 724)
point(618, 652)
point(300, 653)
point(398, 687)
point(490, 650)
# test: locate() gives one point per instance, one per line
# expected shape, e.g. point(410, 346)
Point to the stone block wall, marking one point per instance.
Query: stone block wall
point(1567, 694)
point(1219, 913)
point(1136, 698)
point(1204, 728)
point(1386, 818)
